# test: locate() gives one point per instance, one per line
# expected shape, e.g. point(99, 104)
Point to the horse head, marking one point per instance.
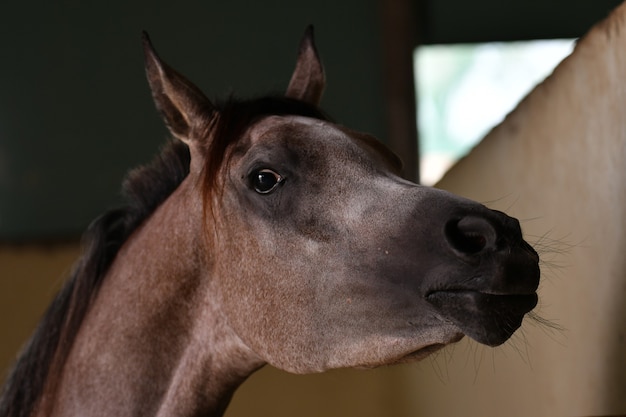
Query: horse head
point(322, 254)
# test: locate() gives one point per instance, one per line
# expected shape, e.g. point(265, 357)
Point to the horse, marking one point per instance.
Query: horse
point(265, 233)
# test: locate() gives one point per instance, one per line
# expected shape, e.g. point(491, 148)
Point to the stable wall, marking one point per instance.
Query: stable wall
point(558, 163)
point(30, 275)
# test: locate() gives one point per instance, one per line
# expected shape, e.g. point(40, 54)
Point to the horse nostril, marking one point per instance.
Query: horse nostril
point(470, 235)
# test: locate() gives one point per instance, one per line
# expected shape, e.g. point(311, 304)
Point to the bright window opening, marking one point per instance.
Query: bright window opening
point(465, 90)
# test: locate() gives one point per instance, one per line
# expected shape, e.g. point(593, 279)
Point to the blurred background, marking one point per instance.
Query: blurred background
point(429, 78)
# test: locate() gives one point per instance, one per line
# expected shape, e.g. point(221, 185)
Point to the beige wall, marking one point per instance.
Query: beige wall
point(558, 163)
point(30, 275)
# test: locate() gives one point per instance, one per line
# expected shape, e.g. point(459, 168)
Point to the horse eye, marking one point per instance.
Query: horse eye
point(265, 181)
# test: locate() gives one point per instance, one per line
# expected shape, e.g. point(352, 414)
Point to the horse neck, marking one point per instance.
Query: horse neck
point(154, 341)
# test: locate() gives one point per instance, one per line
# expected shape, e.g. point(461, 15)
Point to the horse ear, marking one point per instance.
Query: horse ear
point(308, 79)
point(185, 109)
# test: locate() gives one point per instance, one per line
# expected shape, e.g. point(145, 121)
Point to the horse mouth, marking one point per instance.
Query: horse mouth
point(422, 353)
point(489, 319)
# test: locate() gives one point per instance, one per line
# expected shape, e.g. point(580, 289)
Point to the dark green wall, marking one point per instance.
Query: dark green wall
point(75, 110)
point(462, 21)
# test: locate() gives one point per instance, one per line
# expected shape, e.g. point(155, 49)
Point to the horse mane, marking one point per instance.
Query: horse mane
point(45, 353)
point(41, 362)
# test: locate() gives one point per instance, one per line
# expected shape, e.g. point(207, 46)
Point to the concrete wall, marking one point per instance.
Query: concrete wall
point(558, 163)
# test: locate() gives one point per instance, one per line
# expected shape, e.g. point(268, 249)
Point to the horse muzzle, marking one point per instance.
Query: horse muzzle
point(495, 279)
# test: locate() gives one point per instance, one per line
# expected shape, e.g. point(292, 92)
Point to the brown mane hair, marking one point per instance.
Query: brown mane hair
point(41, 361)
